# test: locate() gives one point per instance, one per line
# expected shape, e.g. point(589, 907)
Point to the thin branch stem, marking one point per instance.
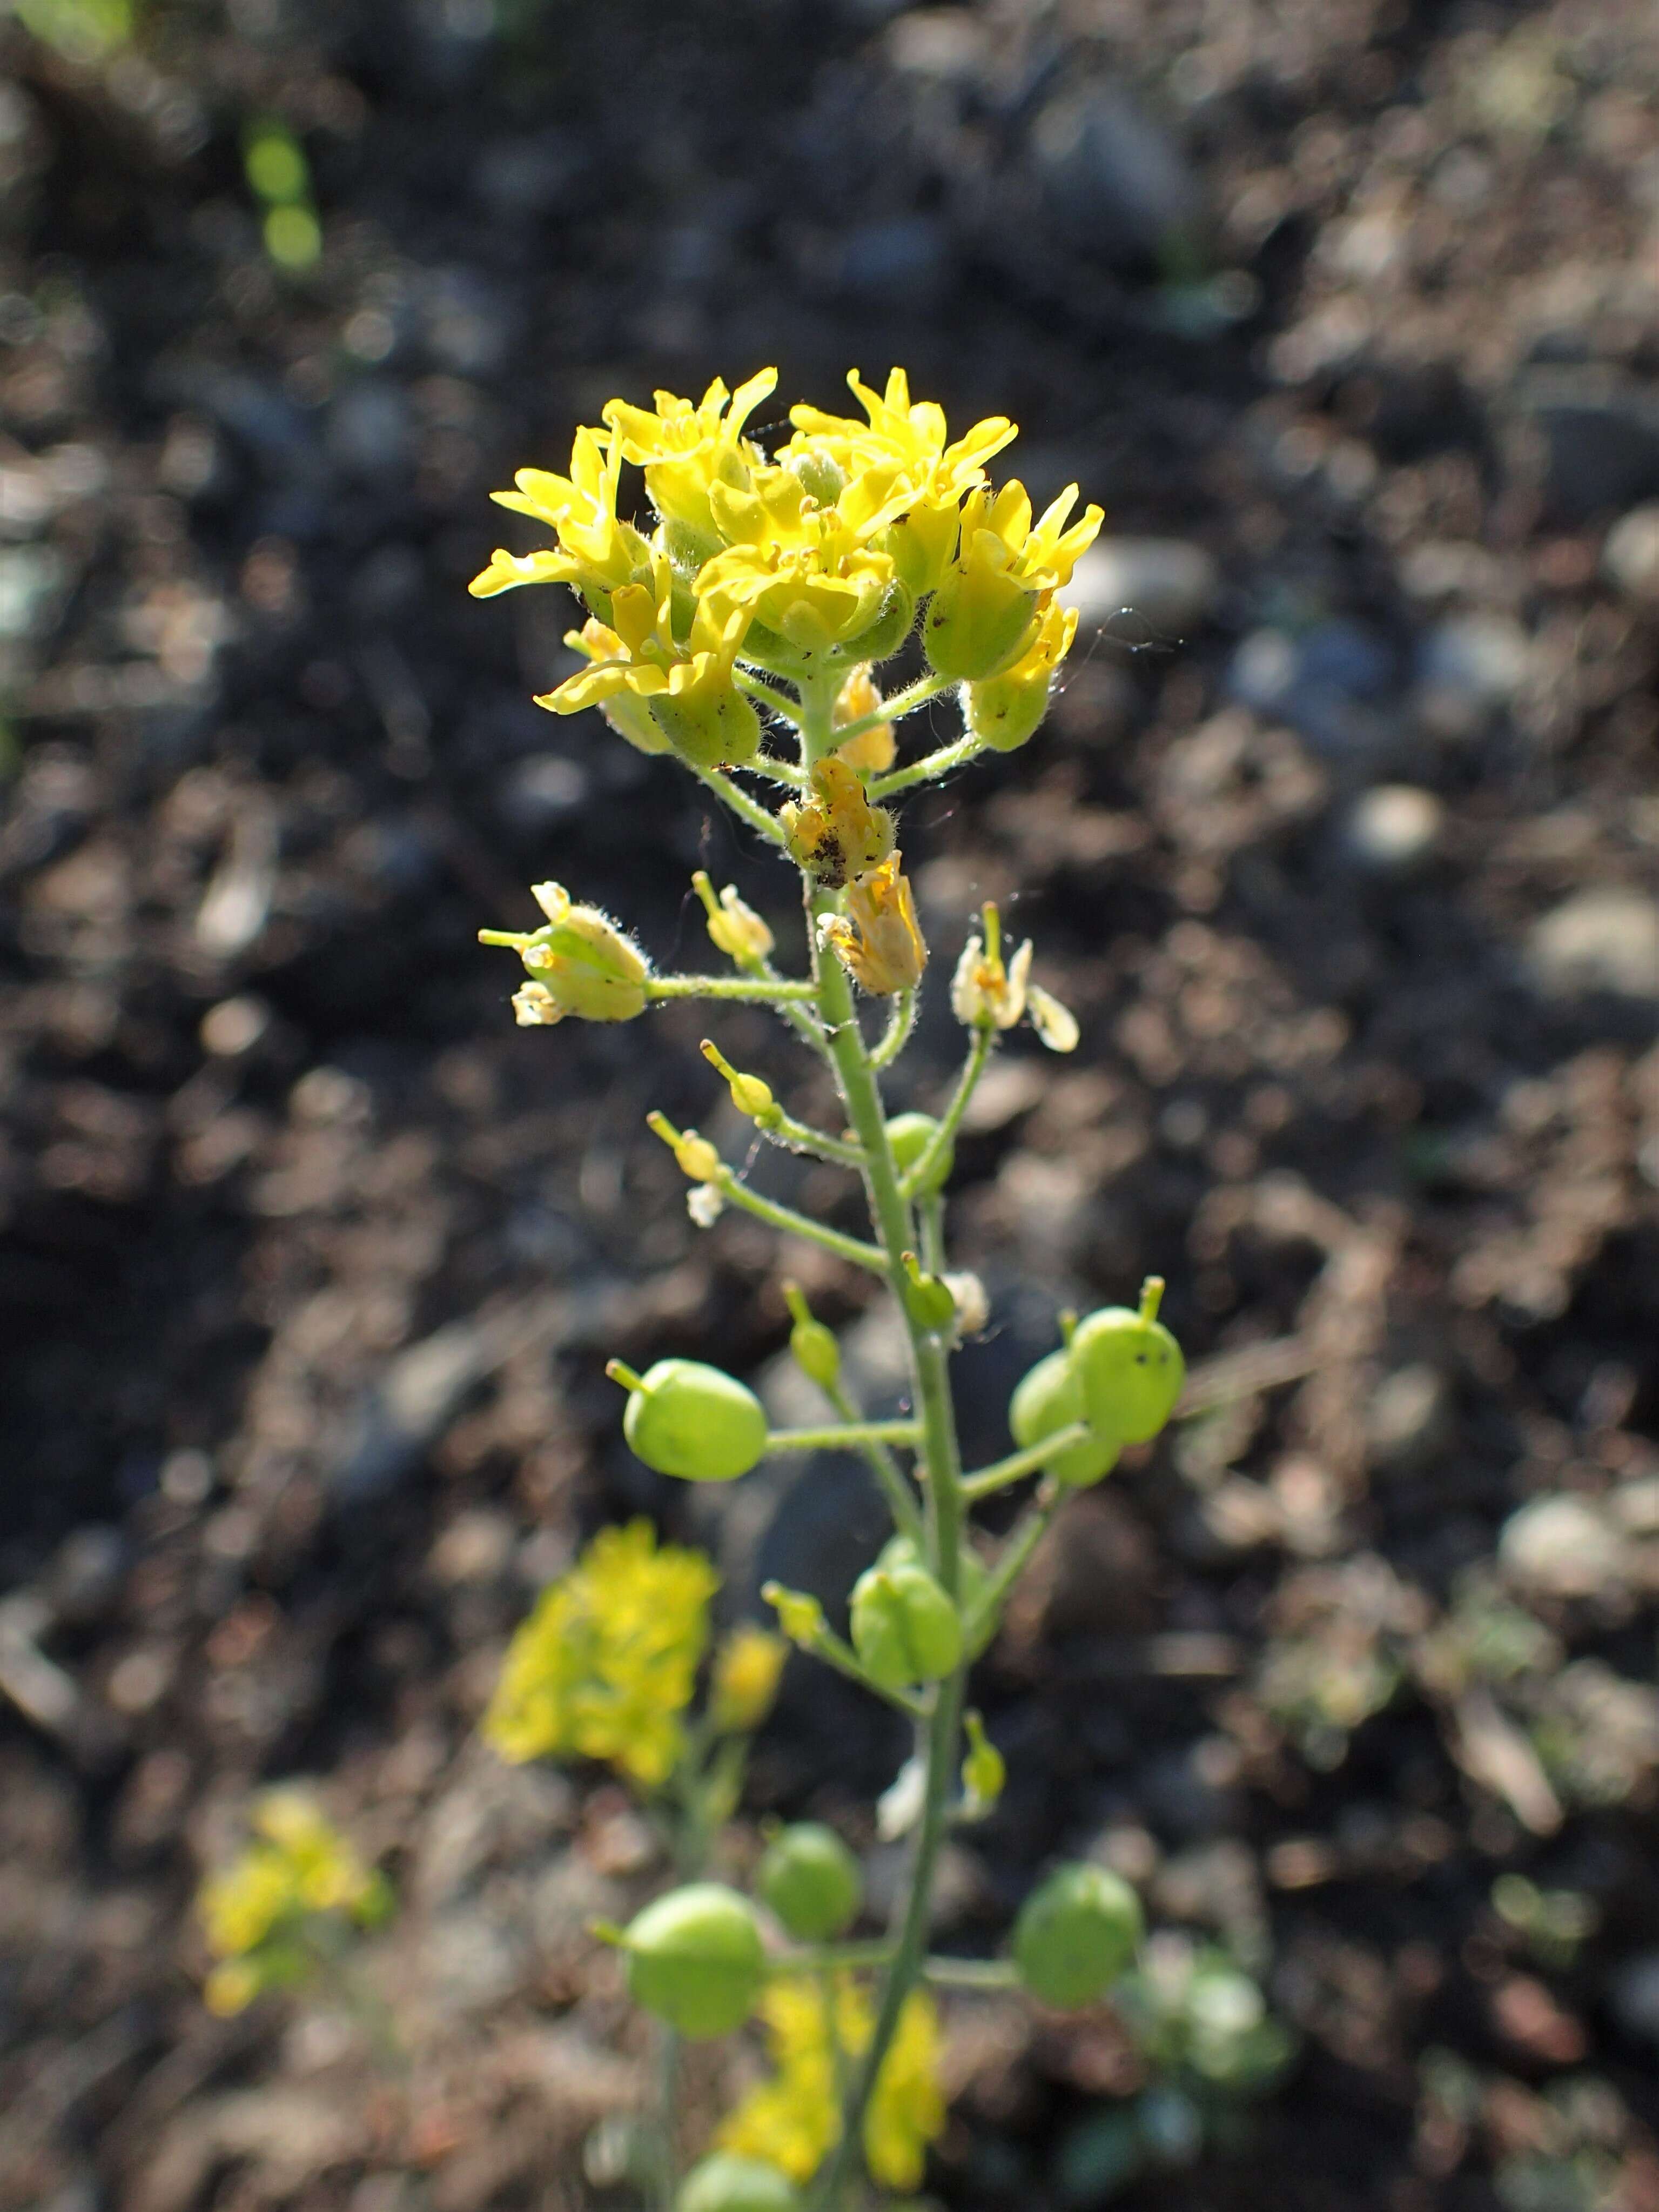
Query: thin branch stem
point(971, 1973)
point(890, 1475)
point(776, 702)
point(829, 1958)
point(746, 808)
point(845, 1436)
point(1023, 1539)
point(801, 1137)
point(973, 1067)
point(764, 990)
point(1017, 1465)
point(895, 709)
point(800, 1225)
point(927, 770)
point(834, 1652)
point(900, 1023)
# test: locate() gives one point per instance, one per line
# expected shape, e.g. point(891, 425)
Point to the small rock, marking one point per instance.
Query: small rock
point(1602, 940)
point(1469, 667)
point(1327, 685)
point(1394, 829)
point(1115, 182)
point(1562, 1547)
point(1630, 558)
point(1600, 438)
point(1409, 1418)
point(1633, 1994)
point(1169, 583)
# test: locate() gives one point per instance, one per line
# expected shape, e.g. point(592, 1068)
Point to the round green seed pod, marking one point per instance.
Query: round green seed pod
point(811, 1882)
point(909, 1135)
point(1050, 1397)
point(695, 1421)
point(725, 2183)
point(1130, 1370)
point(972, 1575)
point(905, 1628)
point(695, 1960)
point(1076, 1934)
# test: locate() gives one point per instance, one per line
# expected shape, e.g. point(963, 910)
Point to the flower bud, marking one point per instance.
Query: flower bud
point(734, 927)
point(1076, 1934)
point(691, 1420)
point(816, 1351)
point(978, 620)
point(811, 1882)
point(921, 544)
point(905, 1628)
point(1006, 710)
point(749, 1094)
point(695, 1958)
point(694, 1156)
point(928, 1297)
point(1050, 1397)
point(725, 2183)
point(745, 1686)
point(583, 963)
point(1129, 1368)
point(984, 1770)
point(800, 1616)
point(909, 1136)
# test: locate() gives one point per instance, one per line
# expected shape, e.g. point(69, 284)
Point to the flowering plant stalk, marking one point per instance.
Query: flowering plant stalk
point(740, 633)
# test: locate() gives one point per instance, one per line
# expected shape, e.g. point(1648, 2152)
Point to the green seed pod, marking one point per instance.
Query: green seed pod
point(978, 621)
point(1076, 1935)
point(725, 2183)
point(905, 1628)
point(694, 1421)
point(971, 1578)
point(1129, 1368)
point(695, 1960)
point(1050, 1397)
point(713, 725)
point(811, 1882)
point(816, 1351)
point(909, 1135)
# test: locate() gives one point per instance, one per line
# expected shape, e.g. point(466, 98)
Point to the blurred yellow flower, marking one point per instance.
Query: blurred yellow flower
point(747, 1669)
point(254, 1913)
point(607, 1661)
point(794, 2120)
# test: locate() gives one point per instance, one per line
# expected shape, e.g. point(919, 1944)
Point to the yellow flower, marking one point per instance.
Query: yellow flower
point(907, 438)
point(876, 748)
point(981, 615)
point(1006, 710)
point(686, 451)
point(627, 714)
point(747, 1669)
point(596, 551)
point(607, 1661)
point(254, 1913)
point(837, 834)
point(793, 2121)
point(880, 941)
point(986, 995)
point(689, 689)
point(802, 569)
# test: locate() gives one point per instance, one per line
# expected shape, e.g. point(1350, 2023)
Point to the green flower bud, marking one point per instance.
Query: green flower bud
point(1051, 1397)
point(811, 1882)
point(978, 621)
point(884, 636)
point(578, 962)
point(1076, 1935)
point(905, 1628)
point(816, 1351)
point(823, 476)
point(1129, 1368)
point(984, 1770)
point(695, 1960)
point(725, 2183)
point(931, 1304)
point(909, 1135)
point(691, 1420)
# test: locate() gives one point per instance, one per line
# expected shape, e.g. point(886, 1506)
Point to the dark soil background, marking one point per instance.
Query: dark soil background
point(1342, 841)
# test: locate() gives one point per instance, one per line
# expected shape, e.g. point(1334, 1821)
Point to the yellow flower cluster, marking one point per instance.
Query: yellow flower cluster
point(256, 1914)
point(811, 559)
point(793, 2121)
point(607, 1661)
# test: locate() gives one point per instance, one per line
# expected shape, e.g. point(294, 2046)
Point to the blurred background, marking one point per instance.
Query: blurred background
point(1343, 841)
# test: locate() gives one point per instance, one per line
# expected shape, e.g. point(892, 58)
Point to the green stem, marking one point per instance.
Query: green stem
point(900, 1023)
point(778, 703)
point(800, 1137)
point(927, 770)
point(1027, 1533)
point(971, 1973)
point(939, 1731)
point(746, 808)
point(895, 1488)
point(895, 709)
point(973, 1067)
point(845, 1437)
point(767, 990)
point(800, 1225)
point(829, 1958)
point(1017, 1465)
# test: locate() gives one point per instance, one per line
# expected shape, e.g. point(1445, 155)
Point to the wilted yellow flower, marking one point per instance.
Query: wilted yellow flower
point(254, 1913)
point(836, 835)
point(607, 1661)
point(873, 750)
point(793, 2121)
point(879, 938)
point(747, 1669)
point(986, 995)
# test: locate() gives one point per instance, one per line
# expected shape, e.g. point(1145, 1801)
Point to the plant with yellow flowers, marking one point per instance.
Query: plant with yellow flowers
point(283, 1913)
point(739, 625)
